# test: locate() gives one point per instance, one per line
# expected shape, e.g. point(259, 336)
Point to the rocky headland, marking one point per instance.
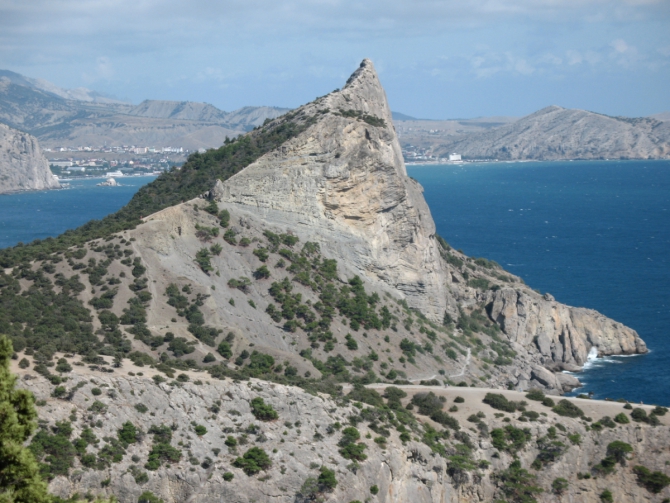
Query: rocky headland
point(278, 320)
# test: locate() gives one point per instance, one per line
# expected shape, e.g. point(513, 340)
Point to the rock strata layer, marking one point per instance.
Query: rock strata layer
point(22, 164)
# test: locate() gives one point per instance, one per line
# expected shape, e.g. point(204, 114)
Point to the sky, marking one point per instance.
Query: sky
point(437, 59)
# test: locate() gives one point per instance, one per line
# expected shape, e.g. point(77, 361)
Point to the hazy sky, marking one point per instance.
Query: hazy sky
point(436, 58)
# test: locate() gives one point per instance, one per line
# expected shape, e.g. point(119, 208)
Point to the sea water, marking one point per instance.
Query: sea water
point(594, 234)
point(27, 216)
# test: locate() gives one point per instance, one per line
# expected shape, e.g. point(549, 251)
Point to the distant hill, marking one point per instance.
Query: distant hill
point(559, 133)
point(187, 110)
point(397, 116)
point(663, 116)
point(80, 93)
point(80, 117)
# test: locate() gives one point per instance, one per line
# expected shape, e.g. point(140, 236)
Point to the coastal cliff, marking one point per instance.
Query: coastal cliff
point(22, 164)
point(235, 344)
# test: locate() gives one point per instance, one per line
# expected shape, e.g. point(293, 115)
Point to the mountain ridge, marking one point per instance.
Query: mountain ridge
point(554, 133)
point(60, 117)
point(263, 280)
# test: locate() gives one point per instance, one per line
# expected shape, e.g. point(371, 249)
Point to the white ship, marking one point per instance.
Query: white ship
point(113, 174)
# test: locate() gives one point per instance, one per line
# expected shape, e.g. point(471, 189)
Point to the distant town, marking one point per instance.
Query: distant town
point(127, 160)
point(417, 155)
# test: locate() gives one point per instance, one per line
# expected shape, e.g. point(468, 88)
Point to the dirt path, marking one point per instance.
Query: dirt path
point(465, 365)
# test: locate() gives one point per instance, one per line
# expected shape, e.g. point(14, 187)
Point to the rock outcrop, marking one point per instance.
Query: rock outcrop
point(344, 181)
point(563, 335)
point(22, 164)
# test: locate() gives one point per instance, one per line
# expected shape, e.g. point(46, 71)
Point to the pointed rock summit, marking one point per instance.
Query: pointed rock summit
point(340, 182)
point(344, 180)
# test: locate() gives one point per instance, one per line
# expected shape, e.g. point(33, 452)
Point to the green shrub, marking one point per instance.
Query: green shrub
point(374, 489)
point(618, 450)
point(517, 484)
point(203, 259)
point(654, 482)
point(659, 411)
point(639, 415)
point(262, 254)
point(200, 430)
point(263, 411)
point(227, 476)
point(559, 485)
point(224, 216)
point(445, 419)
point(509, 438)
point(253, 461)
point(149, 497)
point(262, 272)
point(224, 349)
point(366, 395)
point(621, 418)
point(548, 402)
point(535, 394)
point(567, 409)
point(606, 496)
point(499, 402)
point(428, 403)
point(327, 480)
point(128, 433)
point(459, 399)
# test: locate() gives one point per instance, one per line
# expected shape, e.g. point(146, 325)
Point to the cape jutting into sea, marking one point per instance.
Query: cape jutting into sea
point(594, 234)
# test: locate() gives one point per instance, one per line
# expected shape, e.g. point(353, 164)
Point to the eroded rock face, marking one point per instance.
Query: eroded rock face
point(562, 334)
point(344, 180)
point(22, 164)
point(343, 183)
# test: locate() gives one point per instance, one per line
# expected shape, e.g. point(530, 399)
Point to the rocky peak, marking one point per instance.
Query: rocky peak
point(343, 182)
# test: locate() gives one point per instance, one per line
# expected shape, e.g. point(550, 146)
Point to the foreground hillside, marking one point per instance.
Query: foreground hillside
point(124, 433)
point(558, 133)
point(294, 265)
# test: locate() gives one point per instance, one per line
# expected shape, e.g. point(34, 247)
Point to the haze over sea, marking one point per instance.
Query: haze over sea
point(594, 234)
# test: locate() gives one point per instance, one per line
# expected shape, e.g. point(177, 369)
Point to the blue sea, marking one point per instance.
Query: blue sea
point(594, 234)
point(36, 215)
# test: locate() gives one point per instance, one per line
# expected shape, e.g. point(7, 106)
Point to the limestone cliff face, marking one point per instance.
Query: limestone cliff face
point(344, 179)
point(343, 182)
point(562, 334)
point(22, 164)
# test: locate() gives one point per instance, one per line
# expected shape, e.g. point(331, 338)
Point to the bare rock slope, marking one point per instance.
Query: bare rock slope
point(22, 164)
point(560, 133)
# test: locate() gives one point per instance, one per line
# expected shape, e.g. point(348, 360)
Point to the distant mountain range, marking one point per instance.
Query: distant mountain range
point(81, 117)
point(551, 133)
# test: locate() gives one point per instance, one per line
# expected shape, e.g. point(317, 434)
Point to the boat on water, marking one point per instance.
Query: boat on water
point(114, 174)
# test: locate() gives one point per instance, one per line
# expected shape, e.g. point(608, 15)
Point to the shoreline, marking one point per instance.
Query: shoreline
point(514, 161)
